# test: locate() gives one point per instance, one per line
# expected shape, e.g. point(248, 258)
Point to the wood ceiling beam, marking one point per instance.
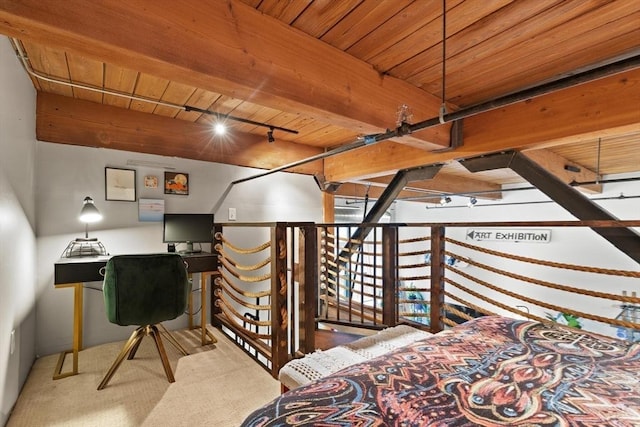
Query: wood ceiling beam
point(228, 47)
point(444, 183)
point(360, 191)
point(596, 109)
point(565, 170)
point(66, 120)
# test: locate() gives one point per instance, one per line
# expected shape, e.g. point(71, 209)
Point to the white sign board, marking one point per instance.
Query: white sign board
point(509, 235)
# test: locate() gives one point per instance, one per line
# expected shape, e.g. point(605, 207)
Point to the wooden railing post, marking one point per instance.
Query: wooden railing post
point(389, 275)
point(437, 278)
point(279, 308)
point(308, 286)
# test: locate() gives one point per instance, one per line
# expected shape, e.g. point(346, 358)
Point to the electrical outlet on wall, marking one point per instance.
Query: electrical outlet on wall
point(232, 214)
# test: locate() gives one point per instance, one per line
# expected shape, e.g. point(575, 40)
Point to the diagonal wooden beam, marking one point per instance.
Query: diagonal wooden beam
point(227, 47)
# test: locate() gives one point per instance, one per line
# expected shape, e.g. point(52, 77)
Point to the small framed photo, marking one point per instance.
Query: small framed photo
point(150, 181)
point(120, 184)
point(176, 183)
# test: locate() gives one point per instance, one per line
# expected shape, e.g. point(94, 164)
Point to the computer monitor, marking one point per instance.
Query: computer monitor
point(189, 229)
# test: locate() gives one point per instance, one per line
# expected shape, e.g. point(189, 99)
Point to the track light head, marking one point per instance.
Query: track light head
point(445, 200)
point(472, 202)
point(270, 137)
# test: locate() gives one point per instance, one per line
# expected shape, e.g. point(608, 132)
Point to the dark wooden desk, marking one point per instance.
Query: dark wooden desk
point(74, 272)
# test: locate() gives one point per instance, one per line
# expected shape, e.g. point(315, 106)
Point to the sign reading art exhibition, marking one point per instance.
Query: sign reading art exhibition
point(514, 235)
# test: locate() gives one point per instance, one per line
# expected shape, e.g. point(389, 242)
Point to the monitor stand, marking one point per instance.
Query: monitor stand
point(190, 249)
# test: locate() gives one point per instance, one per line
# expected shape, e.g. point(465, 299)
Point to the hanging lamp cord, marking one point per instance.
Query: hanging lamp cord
point(443, 106)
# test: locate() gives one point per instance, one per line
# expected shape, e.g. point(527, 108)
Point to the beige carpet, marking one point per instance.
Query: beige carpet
point(217, 385)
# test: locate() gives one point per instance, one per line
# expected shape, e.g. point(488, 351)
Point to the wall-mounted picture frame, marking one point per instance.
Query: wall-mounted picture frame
point(150, 181)
point(176, 183)
point(120, 184)
point(150, 210)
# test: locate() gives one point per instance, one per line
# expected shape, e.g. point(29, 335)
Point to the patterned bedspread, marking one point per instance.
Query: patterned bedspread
point(491, 371)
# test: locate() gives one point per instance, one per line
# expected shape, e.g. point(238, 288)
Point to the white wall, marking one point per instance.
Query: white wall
point(66, 174)
point(17, 224)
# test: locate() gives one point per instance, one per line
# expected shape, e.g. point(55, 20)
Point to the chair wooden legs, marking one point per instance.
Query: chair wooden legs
point(130, 348)
point(163, 354)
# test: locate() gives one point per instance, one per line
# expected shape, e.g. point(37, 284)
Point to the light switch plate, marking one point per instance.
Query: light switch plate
point(232, 214)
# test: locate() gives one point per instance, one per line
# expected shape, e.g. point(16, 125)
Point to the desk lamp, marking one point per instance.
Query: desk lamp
point(85, 246)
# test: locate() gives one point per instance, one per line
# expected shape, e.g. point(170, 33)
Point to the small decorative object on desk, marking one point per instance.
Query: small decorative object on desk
point(86, 246)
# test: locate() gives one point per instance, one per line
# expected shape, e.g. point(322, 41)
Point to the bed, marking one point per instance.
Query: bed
point(489, 371)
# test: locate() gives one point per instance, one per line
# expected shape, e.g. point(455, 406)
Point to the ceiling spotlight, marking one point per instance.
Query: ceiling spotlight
point(220, 129)
point(270, 137)
point(445, 200)
point(472, 202)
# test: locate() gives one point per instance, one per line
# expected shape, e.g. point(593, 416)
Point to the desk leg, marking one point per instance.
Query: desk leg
point(191, 305)
point(206, 337)
point(78, 291)
point(203, 312)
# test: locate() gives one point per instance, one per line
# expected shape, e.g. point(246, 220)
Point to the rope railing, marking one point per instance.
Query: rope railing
point(240, 301)
point(225, 256)
point(539, 303)
point(237, 249)
point(231, 314)
point(624, 273)
point(251, 279)
point(550, 285)
point(225, 282)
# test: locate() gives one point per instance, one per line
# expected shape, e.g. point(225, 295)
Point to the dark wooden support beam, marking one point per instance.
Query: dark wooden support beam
point(390, 276)
point(399, 181)
point(625, 239)
point(308, 273)
point(279, 306)
point(437, 279)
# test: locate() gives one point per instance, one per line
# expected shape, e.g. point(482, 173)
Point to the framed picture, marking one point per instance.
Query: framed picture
point(176, 183)
point(120, 184)
point(150, 209)
point(150, 181)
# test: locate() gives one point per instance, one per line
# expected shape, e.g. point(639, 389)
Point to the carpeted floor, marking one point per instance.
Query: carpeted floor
point(216, 385)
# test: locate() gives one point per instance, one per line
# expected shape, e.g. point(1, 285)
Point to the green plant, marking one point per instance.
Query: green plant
point(566, 319)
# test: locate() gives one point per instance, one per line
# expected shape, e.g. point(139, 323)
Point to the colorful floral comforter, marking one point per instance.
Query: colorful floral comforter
point(491, 371)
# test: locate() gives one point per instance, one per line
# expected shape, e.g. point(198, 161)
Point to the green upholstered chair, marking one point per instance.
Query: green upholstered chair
point(144, 290)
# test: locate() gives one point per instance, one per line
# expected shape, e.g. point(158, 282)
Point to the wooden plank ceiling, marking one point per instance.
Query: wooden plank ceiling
point(135, 76)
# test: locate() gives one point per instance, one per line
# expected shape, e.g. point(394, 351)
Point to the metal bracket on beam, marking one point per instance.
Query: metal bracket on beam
point(488, 161)
point(456, 137)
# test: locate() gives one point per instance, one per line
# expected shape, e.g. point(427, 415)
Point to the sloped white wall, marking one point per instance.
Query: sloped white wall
point(17, 224)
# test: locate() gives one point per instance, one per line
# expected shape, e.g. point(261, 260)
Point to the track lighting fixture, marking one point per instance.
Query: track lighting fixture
point(270, 137)
point(472, 202)
point(445, 200)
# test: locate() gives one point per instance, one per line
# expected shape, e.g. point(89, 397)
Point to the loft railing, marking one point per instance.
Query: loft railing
point(279, 281)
